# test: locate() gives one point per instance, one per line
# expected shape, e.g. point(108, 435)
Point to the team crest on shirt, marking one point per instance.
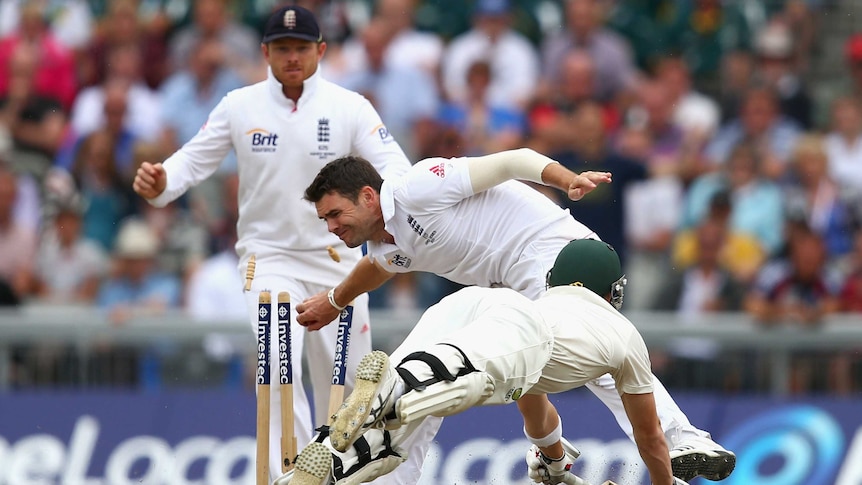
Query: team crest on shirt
point(324, 136)
point(323, 130)
point(438, 170)
point(428, 236)
point(262, 140)
point(399, 260)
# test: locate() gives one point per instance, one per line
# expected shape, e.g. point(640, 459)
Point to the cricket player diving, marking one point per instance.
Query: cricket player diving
point(482, 346)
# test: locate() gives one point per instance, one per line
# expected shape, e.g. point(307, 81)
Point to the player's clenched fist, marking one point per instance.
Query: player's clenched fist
point(150, 180)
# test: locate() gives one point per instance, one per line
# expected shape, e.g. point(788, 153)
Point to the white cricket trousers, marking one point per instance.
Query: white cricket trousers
point(319, 348)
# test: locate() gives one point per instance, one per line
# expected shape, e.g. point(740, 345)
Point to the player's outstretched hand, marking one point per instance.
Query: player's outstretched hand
point(585, 182)
point(548, 471)
point(315, 312)
point(150, 180)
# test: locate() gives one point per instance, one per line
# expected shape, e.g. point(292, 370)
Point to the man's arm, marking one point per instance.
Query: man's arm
point(316, 312)
point(526, 164)
point(650, 440)
point(200, 157)
point(540, 419)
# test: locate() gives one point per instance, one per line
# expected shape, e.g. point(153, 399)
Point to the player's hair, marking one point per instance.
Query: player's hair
point(345, 176)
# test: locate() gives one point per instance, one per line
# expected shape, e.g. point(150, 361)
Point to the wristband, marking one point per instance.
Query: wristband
point(331, 296)
point(549, 440)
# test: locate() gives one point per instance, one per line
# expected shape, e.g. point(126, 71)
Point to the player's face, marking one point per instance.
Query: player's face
point(293, 60)
point(352, 222)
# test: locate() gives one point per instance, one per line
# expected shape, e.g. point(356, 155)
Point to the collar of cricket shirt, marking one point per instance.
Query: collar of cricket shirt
point(309, 87)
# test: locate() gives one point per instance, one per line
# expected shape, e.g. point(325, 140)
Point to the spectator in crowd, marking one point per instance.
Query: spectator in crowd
point(69, 267)
point(844, 142)
point(589, 149)
point(653, 109)
point(760, 122)
point(550, 117)
point(741, 253)
point(17, 245)
point(737, 72)
point(487, 127)
point(123, 26)
point(853, 61)
point(818, 201)
point(757, 202)
point(652, 210)
point(53, 73)
point(615, 72)
point(103, 186)
point(35, 122)
point(851, 291)
point(409, 46)
point(692, 111)
point(114, 108)
point(135, 287)
point(511, 58)
point(706, 286)
point(776, 67)
point(69, 21)
point(212, 19)
point(142, 116)
point(846, 84)
point(405, 96)
point(798, 290)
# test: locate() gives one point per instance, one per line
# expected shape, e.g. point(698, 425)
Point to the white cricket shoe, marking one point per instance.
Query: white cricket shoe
point(703, 457)
point(369, 403)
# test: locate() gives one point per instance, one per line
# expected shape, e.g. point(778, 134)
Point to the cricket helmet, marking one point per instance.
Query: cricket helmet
point(592, 264)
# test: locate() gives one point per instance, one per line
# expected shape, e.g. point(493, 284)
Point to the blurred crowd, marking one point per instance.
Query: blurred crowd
point(737, 183)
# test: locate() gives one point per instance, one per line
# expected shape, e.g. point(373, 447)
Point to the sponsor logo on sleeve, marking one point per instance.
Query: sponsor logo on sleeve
point(438, 170)
point(262, 140)
point(384, 134)
point(399, 260)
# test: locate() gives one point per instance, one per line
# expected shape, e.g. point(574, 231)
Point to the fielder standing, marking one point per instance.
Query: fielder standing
point(467, 220)
point(284, 129)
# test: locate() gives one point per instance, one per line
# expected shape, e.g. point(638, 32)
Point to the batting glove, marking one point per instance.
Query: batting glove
point(548, 471)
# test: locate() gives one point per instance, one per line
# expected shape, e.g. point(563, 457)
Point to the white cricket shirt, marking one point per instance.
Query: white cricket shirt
point(508, 235)
point(280, 147)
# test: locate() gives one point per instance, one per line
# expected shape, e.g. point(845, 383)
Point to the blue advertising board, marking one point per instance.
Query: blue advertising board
point(206, 438)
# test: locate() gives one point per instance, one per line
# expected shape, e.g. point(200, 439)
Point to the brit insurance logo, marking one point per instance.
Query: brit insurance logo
point(262, 140)
point(384, 134)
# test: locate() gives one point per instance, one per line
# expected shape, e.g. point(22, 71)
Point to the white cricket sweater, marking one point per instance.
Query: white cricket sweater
point(280, 147)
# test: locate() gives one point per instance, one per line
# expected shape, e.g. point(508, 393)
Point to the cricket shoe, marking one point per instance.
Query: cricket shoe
point(701, 457)
point(312, 466)
point(370, 403)
point(372, 455)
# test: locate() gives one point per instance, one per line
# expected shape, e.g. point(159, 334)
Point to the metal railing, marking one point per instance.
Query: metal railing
point(82, 328)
